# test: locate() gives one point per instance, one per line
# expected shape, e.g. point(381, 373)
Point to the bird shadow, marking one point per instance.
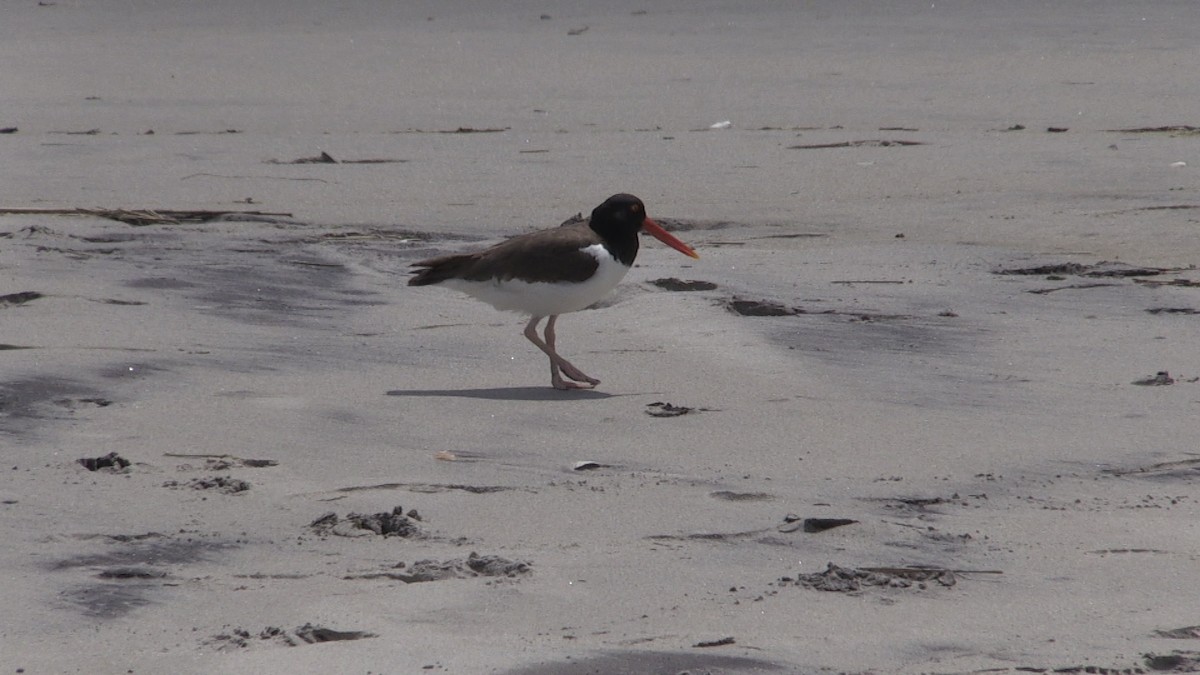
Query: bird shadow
point(510, 393)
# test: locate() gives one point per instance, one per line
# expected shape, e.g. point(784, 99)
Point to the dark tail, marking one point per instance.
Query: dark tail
point(437, 270)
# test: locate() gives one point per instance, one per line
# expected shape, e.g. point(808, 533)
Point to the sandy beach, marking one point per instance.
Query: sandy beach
point(927, 403)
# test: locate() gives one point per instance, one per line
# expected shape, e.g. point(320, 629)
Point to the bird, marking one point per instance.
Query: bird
point(550, 272)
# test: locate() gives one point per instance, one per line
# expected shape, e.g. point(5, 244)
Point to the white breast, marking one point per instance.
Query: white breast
point(544, 298)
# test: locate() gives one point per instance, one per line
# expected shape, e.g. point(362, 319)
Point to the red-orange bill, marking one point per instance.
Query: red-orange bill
point(655, 230)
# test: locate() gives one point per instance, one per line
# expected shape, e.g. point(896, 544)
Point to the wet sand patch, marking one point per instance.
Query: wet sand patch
point(134, 571)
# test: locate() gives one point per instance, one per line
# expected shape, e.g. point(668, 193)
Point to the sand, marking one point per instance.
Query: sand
point(895, 429)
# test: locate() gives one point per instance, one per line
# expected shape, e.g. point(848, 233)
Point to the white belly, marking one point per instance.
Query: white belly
point(548, 299)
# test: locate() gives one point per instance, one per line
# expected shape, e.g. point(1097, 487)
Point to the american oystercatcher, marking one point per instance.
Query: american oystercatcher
point(551, 272)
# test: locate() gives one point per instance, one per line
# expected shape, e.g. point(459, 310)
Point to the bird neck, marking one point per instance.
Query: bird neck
point(622, 243)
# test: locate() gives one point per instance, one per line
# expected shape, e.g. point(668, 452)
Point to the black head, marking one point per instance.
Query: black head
point(619, 213)
point(618, 221)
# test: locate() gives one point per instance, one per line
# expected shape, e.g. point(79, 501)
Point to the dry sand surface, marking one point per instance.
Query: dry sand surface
point(895, 427)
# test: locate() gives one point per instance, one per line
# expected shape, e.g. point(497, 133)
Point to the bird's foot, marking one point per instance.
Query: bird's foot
point(581, 380)
point(567, 385)
point(579, 376)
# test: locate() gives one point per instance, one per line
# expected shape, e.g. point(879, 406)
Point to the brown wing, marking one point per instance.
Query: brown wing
point(548, 255)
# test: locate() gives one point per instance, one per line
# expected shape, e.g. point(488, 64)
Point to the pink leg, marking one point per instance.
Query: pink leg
point(582, 381)
point(568, 369)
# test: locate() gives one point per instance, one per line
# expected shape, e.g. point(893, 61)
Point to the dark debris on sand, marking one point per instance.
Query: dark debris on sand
point(850, 579)
point(792, 523)
point(225, 484)
point(680, 285)
point(111, 462)
point(240, 638)
point(1160, 379)
point(395, 523)
point(664, 409)
point(760, 308)
point(474, 565)
point(1103, 269)
point(19, 298)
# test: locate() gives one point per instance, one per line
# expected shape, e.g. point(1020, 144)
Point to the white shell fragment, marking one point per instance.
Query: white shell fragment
point(588, 465)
